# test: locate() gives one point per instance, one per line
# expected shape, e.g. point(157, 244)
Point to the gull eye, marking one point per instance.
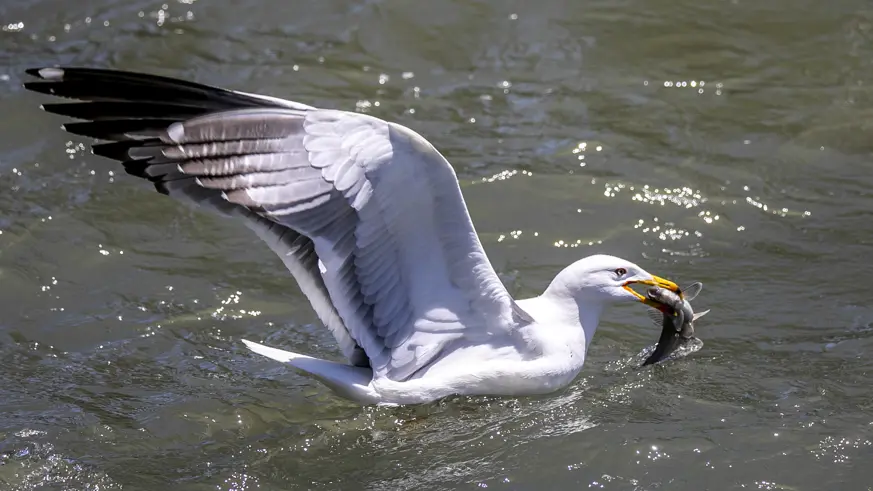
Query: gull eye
point(621, 271)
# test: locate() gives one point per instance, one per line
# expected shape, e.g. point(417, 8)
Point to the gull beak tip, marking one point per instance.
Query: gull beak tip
point(666, 284)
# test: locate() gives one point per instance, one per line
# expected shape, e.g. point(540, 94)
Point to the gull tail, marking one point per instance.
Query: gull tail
point(347, 381)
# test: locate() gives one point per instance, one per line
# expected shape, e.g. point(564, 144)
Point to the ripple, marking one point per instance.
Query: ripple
point(37, 465)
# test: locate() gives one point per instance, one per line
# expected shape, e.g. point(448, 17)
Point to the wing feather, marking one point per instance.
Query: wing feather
point(366, 215)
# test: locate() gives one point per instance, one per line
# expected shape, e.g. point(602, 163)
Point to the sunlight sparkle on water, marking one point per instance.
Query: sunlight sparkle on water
point(580, 149)
point(684, 197)
point(782, 212)
point(665, 231)
point(654, 453)
point(838, 450)
point(515, 234)
point(506, 174)
point(577, 243)
point(241, 482)
point(697, 85)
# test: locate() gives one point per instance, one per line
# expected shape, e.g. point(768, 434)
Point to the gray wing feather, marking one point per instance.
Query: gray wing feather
point(295, 250)
point(355, 185)
point(367, 216)
point(298, 254)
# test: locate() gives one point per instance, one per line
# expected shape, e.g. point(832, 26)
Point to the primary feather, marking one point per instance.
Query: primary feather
point(331, 192)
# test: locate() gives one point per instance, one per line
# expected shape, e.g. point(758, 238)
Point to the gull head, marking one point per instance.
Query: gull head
point(608, 279)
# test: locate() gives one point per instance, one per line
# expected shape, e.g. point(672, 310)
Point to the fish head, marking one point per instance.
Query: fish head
point(665, 300)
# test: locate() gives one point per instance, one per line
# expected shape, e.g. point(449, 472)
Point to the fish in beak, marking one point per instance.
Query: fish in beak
point(656, 281)
point(677, 324)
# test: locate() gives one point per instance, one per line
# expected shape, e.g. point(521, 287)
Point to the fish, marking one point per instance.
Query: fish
point(676, 319)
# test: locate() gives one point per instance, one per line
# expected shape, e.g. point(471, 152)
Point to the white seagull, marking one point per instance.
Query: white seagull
point(369, 219)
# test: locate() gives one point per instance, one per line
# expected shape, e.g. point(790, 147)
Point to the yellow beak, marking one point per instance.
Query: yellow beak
point(655, 281)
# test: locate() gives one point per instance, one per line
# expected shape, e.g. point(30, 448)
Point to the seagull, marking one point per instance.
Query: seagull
point(369, 219)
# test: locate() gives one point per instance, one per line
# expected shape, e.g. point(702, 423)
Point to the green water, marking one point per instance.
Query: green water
point(726, 142)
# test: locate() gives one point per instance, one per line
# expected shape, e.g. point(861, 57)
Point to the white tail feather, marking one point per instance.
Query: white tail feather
point(347, 381)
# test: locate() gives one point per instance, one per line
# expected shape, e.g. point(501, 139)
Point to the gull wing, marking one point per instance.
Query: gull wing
point(367, 215)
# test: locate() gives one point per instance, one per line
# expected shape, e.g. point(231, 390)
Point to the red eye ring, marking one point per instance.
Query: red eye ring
point(621, 271)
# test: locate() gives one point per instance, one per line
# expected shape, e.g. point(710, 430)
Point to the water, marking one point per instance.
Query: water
point(726, 142)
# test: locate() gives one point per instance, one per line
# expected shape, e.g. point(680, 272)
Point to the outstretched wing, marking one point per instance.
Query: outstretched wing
point(367, 215)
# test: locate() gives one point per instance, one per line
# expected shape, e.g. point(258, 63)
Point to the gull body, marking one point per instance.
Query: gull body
point(369, 219)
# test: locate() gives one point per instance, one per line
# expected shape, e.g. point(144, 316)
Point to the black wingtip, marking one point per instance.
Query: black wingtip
point(137, 168)
point(119, 129)
point(41, 87)
point(115, 150)
point(33, 72)
point(161, 187)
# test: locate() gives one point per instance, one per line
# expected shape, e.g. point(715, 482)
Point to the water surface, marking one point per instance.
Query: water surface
point(726, 142)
